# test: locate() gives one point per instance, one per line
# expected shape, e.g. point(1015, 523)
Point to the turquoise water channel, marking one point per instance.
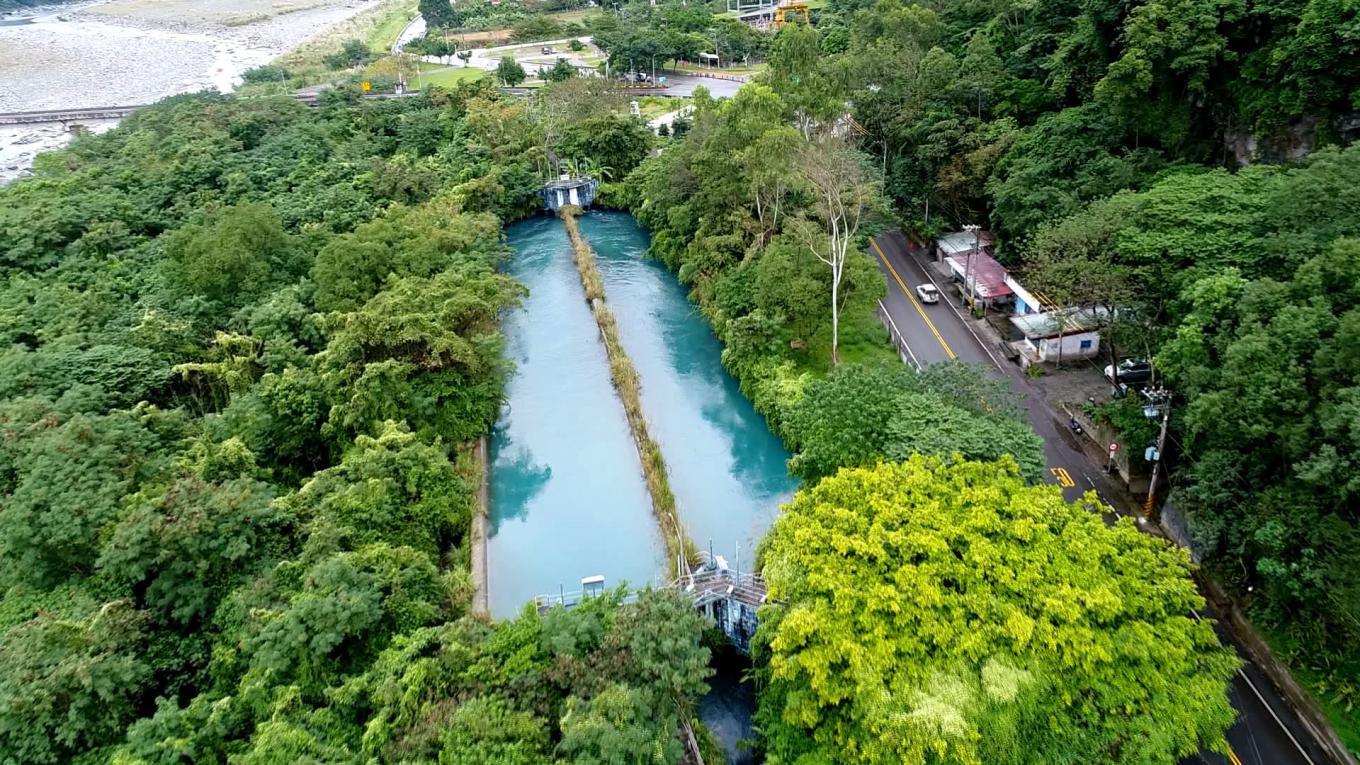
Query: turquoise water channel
point(567, 495)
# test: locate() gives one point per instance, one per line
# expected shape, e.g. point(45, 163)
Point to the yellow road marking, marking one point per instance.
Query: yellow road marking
point(1232, 757)
point(1064, 478)
point(948, 351)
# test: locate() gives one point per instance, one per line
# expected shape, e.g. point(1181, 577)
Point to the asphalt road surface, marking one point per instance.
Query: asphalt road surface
point(1267, 732)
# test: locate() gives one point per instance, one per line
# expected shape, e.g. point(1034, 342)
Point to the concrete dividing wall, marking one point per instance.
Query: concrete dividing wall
point(480, 592)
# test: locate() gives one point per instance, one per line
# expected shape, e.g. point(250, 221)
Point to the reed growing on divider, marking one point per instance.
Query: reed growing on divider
point(629, 388)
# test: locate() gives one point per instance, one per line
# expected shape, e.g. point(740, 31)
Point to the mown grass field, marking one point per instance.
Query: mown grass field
point(437, 76)
point(391, 19)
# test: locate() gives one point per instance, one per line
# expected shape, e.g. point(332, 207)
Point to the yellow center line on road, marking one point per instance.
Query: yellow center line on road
point(1232, 757)
point(948, 351)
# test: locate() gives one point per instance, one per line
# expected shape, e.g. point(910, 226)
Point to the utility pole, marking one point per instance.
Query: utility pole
point(968, 278)
point(1159, 403)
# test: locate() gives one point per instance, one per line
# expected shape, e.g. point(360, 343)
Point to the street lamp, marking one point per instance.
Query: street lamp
point(1158, 404)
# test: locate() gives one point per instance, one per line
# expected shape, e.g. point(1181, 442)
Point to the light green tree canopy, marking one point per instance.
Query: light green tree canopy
point(864, 413)
point(945, 612)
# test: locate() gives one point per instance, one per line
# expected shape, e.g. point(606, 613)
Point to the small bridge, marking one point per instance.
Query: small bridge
point(730, 598)
point(68, 115)
point(308, 97)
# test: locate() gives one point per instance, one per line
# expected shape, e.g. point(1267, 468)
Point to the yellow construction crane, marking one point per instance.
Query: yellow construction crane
point(794, 8)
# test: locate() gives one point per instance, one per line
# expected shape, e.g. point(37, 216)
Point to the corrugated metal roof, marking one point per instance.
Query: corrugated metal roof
point(1037, 326)
point(988, 277)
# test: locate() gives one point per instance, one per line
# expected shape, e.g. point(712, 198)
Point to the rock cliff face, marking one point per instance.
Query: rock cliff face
point(1293, 143)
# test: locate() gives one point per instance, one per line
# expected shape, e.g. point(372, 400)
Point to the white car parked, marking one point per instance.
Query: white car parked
point(927, 293)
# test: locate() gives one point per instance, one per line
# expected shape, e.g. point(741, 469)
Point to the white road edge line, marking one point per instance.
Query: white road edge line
point(1240, 673)
point(915, 361)
point(1267, 705)
point(1276, 717)
point(926, 270)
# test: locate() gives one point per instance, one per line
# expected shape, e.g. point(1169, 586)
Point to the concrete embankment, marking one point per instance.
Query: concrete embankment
point(480, 591)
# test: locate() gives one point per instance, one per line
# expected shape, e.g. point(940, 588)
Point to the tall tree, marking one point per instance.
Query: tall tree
point(846, 193)
point(509, 71)
point(439, 14)
point(798, 74)
point(1074, 263)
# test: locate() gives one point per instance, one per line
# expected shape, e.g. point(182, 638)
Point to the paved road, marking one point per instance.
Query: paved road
point(1267, 732)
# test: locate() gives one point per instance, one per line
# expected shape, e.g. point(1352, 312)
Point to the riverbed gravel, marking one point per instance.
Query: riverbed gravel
point(137, 52)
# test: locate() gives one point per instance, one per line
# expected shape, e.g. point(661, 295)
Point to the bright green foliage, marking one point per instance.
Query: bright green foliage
point(63, 481)
point(311, 623)
point(861, 414)
point(612, 675)
point(617, 725)
point(1016, 116)
point(1067, 159)
point(122, 375)
point(198, 731)
point(611, 145)
point(1271, 373)
point(486, 730)
point(945, 612)
point(69, 684)
point(183, 550)
point(799, 76)
point(230, 546)
point(282, 416)
point(242, 253)
point(723, 206)
point(509, 71)
point(561, 70)
point(419, 241)
point(426, 350)
point(391, 487)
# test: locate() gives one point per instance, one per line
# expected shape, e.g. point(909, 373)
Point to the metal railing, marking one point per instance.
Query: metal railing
point(899, 342)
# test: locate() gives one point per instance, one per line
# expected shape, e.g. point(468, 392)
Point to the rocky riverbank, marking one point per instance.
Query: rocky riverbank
point(139, 51)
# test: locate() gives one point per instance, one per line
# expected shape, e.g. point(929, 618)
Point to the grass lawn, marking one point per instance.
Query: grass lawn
point(449, 78)
point(655, 106)
point(391, 20)
point(864, 340)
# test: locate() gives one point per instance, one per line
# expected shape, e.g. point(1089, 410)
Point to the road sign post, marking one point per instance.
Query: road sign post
point(1109, 466)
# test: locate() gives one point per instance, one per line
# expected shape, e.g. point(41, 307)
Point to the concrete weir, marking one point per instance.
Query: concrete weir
point(568, 191)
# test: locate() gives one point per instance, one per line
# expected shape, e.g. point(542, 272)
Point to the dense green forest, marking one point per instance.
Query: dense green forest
point(247, 344)
point(1188, 162)
point(246, 347)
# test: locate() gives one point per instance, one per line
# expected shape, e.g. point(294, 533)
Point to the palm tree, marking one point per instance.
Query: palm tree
point(596, 170)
